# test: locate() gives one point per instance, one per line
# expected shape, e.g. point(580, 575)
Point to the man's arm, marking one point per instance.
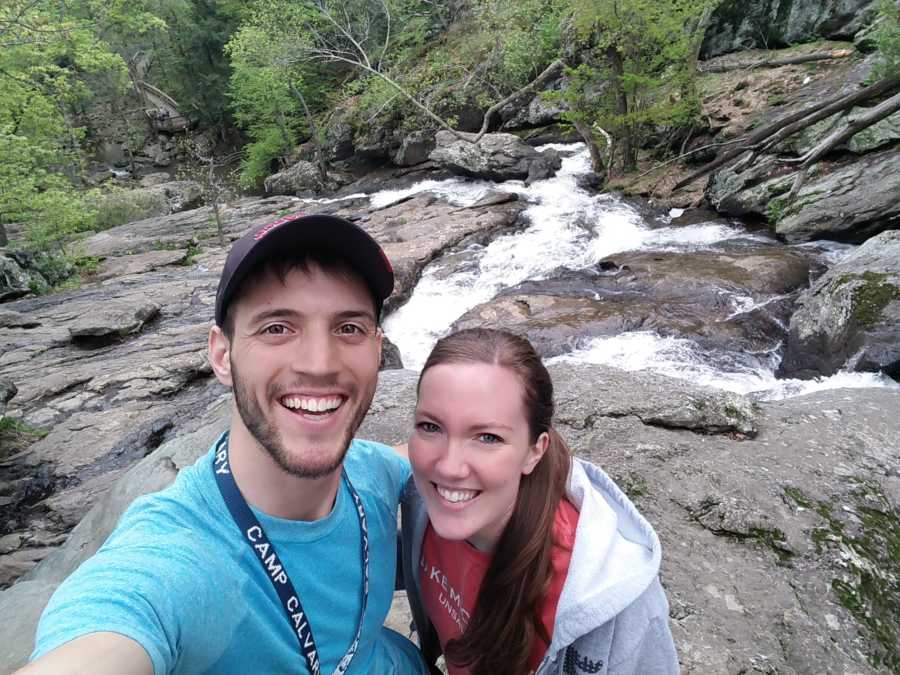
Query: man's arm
point(94, 654)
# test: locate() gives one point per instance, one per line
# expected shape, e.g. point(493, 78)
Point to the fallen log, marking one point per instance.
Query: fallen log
point(845, 133)
point(768, 136)
point(775, 63)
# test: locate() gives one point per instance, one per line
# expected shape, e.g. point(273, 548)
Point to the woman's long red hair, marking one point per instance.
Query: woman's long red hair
point(506, 618)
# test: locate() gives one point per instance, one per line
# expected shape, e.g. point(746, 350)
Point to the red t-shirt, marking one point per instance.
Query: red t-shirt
point(451, 573)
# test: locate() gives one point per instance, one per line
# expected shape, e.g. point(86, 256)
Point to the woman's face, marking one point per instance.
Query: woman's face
point(470, 448)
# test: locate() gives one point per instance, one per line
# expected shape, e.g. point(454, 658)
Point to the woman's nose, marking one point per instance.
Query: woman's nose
point(452, 462)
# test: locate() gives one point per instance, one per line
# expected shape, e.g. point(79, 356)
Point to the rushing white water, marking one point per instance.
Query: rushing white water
point(574, 229)
point(738, 372)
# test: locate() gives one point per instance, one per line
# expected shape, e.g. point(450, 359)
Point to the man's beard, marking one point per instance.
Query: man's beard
point(267, 435)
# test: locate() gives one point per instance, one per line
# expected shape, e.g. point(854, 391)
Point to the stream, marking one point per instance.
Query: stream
point(571, 228)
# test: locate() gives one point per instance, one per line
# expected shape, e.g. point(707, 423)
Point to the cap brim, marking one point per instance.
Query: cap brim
point(317, 232)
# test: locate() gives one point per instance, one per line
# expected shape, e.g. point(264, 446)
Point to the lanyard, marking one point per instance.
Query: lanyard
point(257, 540)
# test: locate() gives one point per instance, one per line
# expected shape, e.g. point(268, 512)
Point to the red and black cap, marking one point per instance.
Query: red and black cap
point(300, 232)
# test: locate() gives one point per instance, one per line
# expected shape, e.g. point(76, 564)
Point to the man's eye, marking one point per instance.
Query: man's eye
point(275, 329)
point(351, 329)
point(489, 438)
point(428, 427)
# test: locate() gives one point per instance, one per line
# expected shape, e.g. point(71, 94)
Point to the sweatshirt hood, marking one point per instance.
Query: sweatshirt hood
point(614, 560)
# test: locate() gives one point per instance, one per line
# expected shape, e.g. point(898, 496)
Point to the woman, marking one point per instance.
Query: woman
point(517, 558)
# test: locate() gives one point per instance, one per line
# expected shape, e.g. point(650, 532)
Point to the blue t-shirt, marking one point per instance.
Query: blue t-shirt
point(177, 577)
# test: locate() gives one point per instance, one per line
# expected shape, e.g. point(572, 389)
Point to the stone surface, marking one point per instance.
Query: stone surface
point(495, 157)
point(737, 25)
point(414, 148)
point(8, 389)
point(126, 265)
point(754, 529)
point(720, 299)
point(850, 317)
point(113, 320)
point(14, 281)
point(849, 203)
point(297, 179)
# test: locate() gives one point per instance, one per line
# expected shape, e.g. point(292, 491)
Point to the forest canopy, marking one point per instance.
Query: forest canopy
point(275, 74)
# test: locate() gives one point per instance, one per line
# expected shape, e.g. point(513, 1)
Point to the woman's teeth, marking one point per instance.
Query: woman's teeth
point(456, 496)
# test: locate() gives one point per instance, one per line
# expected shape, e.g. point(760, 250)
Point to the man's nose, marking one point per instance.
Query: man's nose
point(316, 353)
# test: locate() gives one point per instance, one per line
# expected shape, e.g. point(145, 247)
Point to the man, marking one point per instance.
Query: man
point(276, 551)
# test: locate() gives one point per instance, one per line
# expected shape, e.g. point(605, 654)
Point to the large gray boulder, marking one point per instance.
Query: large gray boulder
point(496, 157)
point(849, 201)
point(113, 320)
point(691, 295)
point(850, 318)
point(738, 25)
point(302, 177)
point(14, 281)
point(414, 148)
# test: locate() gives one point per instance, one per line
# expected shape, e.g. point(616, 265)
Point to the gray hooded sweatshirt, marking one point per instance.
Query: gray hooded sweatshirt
point(612, 616)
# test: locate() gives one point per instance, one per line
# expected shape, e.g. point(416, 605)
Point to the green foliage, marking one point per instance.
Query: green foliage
point(887, 39)
point(645, 50)
point(124, 206)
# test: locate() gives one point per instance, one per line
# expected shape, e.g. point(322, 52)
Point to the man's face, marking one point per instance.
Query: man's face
point(304, 358)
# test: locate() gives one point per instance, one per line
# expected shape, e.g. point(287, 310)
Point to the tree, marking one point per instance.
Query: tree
point(49, 49)
point(639, 72)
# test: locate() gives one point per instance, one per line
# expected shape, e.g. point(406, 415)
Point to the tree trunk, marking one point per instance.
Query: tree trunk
point(771, 134)
point(587, 135)
point(321, 161)
point(629, 158)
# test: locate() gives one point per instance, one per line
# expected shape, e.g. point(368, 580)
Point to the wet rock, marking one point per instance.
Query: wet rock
point(850, 203)
point(7, 390)
point(113, 320)
point(390, 355)
point(14, 281)
point(297, 179)
point(850, 317)
point(415, 231)
point(414, 149)
point(535, 112)
point(717, 298)
point(737, 26)
point(496, 157)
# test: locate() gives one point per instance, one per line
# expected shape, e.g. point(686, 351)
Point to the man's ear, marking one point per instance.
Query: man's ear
point(219, 352)
point(536, 453)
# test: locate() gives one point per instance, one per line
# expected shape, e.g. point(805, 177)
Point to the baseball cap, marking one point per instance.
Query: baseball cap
point(301, 232)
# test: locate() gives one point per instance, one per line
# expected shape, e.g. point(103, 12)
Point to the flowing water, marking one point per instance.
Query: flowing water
point(571, 228)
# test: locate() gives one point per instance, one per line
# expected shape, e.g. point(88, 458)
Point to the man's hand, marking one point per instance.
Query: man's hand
point(94, 654)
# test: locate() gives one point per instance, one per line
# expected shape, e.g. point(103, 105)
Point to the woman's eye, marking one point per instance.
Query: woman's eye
point(428, 427)
point(489, 438)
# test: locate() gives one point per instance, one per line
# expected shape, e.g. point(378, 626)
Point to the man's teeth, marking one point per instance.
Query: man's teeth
point(456, 496)
point(311, 404)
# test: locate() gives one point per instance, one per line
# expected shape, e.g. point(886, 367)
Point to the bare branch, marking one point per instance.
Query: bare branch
point(845, 133)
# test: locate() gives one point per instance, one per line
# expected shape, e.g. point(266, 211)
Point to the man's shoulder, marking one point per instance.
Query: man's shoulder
point(181, 509)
